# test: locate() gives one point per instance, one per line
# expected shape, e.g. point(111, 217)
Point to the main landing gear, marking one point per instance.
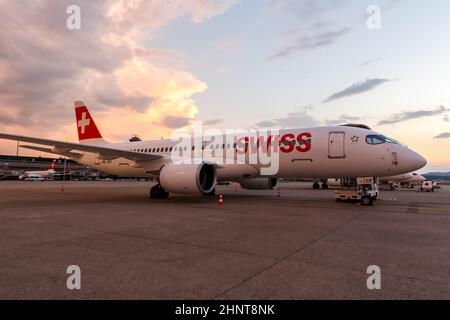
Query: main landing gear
point(157, 192)
point(316, 185)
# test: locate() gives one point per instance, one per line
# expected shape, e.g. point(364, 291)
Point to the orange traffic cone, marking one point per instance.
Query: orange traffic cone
point(62, 188)
point(220, 200)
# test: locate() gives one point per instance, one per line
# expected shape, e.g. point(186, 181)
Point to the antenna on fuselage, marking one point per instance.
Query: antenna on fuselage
point(134, 138)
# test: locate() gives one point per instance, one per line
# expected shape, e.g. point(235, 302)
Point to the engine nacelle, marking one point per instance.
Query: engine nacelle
point(260, 184)
point(188, 178)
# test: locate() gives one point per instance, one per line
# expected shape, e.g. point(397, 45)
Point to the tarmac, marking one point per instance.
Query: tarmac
point(302, 245)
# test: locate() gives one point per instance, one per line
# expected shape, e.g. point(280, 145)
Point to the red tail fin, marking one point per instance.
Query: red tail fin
point(85, 123)
point(52, 166)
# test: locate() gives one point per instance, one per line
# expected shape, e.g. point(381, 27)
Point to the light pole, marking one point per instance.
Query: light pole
point(64, 170)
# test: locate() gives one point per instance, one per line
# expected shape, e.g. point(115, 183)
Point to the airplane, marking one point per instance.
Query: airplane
point(410, 179)
point(406, 178)
point(40, 174)
point(333, 151)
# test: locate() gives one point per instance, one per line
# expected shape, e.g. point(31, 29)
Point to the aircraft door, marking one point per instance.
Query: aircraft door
point(336, 145)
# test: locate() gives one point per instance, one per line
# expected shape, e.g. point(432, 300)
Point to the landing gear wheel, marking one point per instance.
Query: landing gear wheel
point(316, 185)
point(157, 192)
point(324, 186)
point(366, 201)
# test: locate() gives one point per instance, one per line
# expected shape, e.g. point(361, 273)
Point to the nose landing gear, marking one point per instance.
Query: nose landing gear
point(157, 192)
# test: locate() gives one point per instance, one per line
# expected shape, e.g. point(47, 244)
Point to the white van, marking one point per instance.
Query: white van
point(35, 178)
point(427, 186)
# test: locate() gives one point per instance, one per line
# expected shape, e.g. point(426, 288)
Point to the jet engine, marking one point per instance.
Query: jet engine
point(260, 184)
point(188, 178)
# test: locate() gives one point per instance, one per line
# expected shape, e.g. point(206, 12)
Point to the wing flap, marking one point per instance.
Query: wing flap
point(72, 155)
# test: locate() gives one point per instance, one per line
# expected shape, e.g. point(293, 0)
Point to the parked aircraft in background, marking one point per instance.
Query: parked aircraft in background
point(332, 151)
point(410, 179)
point(407, 179)
point(37, 175)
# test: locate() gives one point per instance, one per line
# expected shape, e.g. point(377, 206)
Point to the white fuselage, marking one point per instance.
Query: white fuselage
point(335, 151)
point(44, 174)
point(410, 178)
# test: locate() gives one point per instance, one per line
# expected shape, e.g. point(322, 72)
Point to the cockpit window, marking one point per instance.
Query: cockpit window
point(379, 139)
point(375, 139)
point(390, 140)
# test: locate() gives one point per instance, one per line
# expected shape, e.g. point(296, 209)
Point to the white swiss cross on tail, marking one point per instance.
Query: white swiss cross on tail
point(83, 122)
point(87, 130)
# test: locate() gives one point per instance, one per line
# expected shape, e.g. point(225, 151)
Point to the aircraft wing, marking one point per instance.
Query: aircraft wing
point(104, 152)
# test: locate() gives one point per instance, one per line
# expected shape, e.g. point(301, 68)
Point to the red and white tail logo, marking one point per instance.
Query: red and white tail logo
point(85, 124)
point(52, 166)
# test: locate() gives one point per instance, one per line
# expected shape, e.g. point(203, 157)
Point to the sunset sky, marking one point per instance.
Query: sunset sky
point(151, 67)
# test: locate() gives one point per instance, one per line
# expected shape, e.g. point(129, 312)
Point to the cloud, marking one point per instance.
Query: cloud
point(318, 35)
point(321, 32)
point(371, 61)
point(342, 120)
point(315, 29)
point(212, 122)
point(444, 135)
point(304, 10)
point(292, 120)
point(266, 124)
point(176, 122)
point(356, 88)
point(45, 68)
point(409, 115)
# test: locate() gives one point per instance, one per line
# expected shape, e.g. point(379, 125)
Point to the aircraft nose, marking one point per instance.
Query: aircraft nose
point(419, 161)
